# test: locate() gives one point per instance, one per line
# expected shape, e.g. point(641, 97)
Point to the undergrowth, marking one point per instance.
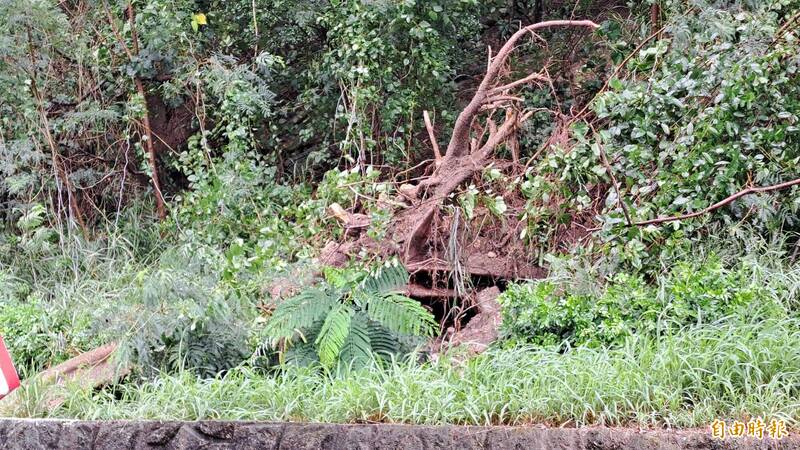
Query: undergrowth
point(725, 370)
point(670, 325)
point(579, 307)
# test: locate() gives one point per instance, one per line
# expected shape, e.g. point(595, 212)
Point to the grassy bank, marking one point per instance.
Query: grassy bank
point(728, 370)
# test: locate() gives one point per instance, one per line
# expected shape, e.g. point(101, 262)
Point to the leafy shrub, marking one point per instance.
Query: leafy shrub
point(263, 225)
point(704, 110)
point(350, 319)
point(427, 41)
point(182, 317)
point(37, 334)
point(558, 311)
point(24, 327)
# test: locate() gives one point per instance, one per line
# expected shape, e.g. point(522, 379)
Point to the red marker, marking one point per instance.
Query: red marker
point(8, 375)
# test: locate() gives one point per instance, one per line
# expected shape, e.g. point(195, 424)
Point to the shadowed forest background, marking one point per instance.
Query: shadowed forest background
point(254, 200)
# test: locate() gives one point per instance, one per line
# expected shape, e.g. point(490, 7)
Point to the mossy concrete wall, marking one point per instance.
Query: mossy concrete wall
point(75, 435)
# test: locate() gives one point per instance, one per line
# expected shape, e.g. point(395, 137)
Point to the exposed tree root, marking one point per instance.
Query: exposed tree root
point(468, 152)
point(479, 332)
point(440, 263)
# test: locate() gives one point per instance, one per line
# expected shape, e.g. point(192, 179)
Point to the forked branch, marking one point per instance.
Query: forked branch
point(459, 142)
point(468, 152)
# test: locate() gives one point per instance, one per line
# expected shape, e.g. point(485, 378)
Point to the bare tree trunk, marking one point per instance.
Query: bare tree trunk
point(147, 130)
point(655, 17)
point(58, 165)
point(151, 152)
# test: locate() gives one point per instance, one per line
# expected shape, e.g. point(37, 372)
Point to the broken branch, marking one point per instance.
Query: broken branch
point(459, 142)
point(715, 206)
point(520, 82)
point(607, 166)
point(437, 154)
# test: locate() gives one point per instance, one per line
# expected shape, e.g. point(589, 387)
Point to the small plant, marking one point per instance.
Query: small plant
point(37, 333)
point(351, 319)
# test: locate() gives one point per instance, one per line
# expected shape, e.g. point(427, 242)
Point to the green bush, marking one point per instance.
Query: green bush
point(24, 327)
point(36, 334)
point(559, 311)
point(181, 316)
point(707, 108)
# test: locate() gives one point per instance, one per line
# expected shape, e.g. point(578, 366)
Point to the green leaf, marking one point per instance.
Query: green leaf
point(357, 348)
point(468, 201)
point(496, 205)
point(299, 312)
point(333, 334)
point(386, 280)
point(32, 219)
point(401, 314)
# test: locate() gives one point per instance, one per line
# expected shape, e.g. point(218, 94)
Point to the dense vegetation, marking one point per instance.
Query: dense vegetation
point(273, 206)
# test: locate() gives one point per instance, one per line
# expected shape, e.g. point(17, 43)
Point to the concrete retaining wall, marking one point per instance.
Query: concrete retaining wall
point(74, 435)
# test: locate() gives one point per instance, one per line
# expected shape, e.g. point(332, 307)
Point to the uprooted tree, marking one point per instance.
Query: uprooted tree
point(491, 118)
point(470, 148)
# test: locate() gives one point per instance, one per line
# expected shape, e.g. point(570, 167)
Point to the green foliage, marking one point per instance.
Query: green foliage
point(730, 371)
point(263, 225)
point(266, 113)
point(36, 334)
point(181, 317)
point(68, 94)
point(382, 102)
point(352, 318)
point(693, 293)
point(26, 327)
point(707, 110)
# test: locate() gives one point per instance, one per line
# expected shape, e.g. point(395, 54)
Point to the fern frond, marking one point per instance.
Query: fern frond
point(333, 334)
point(384, 344)
point(299, 312)
point(303, 354)
point(388, 280)
point(401, 314)
point(357, 348)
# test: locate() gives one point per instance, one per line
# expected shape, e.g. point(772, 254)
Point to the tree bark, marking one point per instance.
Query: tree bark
point(146, 128)
point(655, 17)
point(151, 152)
point(55, 157)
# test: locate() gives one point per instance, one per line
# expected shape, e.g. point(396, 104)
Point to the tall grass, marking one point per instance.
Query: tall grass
point(67, 282)
point(161, 299)
point(728, 370)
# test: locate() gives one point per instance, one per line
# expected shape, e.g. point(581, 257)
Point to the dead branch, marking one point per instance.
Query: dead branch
point(529, 79)
point(151, 152)
point(607, 166)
